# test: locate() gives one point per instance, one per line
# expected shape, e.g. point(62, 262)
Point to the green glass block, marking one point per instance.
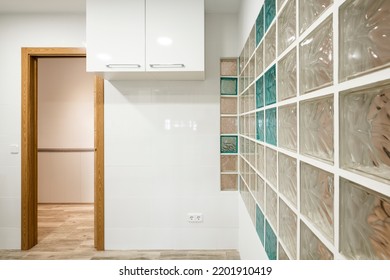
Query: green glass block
point(260, 92)
point(260, 26)
point(270, 85)
point(270, 242)
point(260, 126)
point(228, 86)
point(270, 126)
point(229, 144)
point(270, 12)
point(260, 224)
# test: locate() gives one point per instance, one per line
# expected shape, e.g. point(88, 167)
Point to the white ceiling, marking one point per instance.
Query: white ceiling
point(78, 6)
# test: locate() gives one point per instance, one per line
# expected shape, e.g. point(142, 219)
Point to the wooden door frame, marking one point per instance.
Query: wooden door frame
point(29, 146)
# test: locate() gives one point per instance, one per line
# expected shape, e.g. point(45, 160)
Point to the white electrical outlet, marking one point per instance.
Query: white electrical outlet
point(195, 217)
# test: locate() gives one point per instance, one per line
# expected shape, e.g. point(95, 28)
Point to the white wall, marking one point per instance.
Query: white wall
point(250, 246)
point(162, 158)
point(18, 31)
point(65, 121)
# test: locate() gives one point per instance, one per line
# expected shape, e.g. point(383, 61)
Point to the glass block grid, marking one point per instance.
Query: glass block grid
point(331, 139)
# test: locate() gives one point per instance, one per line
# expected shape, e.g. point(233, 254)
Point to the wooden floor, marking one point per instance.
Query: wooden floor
point(66, 232)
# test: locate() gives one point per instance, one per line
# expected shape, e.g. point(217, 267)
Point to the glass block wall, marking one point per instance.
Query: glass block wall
point(314, 128)
point(229, 124)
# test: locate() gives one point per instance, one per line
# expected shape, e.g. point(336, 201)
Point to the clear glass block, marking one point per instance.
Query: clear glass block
point(282, 254)
point(260, 126)
point(260, 92)
point(229, 182)
point(249, 202)
point(311, 247)
point(288, 177)
point(287, 26)
point(260, 191)
point(260, 224)
point(316, 128)
point(229, 163)
point(228, 125)
point(288, 228)
point(241, 61)
point(252, 132)
point(270, 46)
point(229, 144)
point(316, 58)
point(271, 206)
point(252, 68)
point(228, 105)
point(228, 67)
point(260, 158)
point(365, 131)
point(251, 98)
point(252, 40)
point(364, 222)
point(310, 10)
point(317, 196)
point(364, 37)
point(252, 180)
point(241, 83)
point(259, 60)
point(252, 153)
point(271, 166)
point(288, 127)
point(228, 86)
point(270, 85)
point(270, 12)
point(271, 242)
point(260, 26)
point(287, 76)
point(270, 126)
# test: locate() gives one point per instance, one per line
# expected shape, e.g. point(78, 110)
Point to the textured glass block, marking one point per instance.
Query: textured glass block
point(229, 182)
point(260, 191)
point(365, 131)
point(310, 10)
point(288, 177)
point(316, 128)
point(241, 61)
point(251, 94)
point(252, 40)
point(282, 254)
point(270, 12)
point(364, 37)
point(260, 26)
point(252, 132)
point(228, 86)
point(270, 126)
point(287, 76)
point(252, 153)
point(270, 85)
point(228, 125)
point(228, 67)
point(260, 126)
point(271, 206)
point(364, 222)
point(259, 60)
point(311, 247)
point(271, 242)
point(260, 224)
point(252, 68)
point(228, 105)
point(271, 166)
point(270, 46)
point(249, 202)
point(229, 163)
point(288, 228)
point(260, 158)
point(229, 144)
point(317, 195)
point(287, 26)
point(260, 92)
point(288, 127)
point(316, 58)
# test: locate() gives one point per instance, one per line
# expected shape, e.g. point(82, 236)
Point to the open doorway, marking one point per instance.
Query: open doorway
point(30, 61)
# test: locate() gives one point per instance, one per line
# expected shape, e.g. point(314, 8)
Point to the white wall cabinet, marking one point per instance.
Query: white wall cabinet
point(146, 39)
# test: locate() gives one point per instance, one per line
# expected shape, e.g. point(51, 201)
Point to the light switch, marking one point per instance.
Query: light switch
point(14, 149)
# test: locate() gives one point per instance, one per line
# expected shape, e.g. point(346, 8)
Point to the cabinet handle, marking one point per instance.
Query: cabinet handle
point(123, 66)
point(167, 65)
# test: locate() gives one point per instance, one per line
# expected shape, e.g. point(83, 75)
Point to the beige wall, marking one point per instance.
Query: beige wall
point(65, 121)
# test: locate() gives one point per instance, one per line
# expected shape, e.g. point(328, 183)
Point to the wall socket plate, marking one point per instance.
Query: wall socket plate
point(195, 217)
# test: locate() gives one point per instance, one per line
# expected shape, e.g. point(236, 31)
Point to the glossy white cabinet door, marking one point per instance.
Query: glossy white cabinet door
point(115, 35)
point(175, 35)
